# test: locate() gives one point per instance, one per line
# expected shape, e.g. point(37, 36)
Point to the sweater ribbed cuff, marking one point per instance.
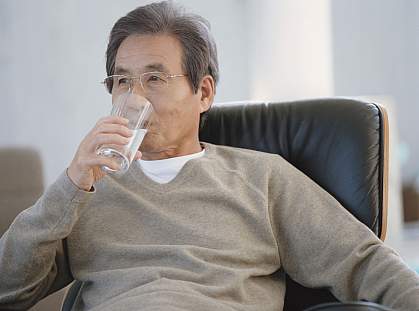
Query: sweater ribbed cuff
point(70, 191)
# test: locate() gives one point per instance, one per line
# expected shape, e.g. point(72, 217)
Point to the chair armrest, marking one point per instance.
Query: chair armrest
point(349, 306)
point(71, 295)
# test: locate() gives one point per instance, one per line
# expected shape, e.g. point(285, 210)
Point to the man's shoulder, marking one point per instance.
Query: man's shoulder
point(242, 157)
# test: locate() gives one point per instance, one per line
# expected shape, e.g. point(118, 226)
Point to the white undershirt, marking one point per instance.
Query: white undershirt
point(163, 171)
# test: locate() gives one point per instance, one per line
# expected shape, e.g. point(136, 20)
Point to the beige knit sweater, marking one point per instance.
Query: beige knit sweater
point(217, 237)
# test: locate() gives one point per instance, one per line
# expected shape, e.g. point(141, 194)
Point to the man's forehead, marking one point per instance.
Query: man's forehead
point(133, 68)
point(127, 55)
point(141, 53)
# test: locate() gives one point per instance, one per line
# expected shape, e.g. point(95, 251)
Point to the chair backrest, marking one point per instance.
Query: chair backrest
point(340, 143)
point(21, 182)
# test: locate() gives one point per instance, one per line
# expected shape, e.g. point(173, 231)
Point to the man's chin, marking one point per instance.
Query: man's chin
point(156, 152)
point(149, 146)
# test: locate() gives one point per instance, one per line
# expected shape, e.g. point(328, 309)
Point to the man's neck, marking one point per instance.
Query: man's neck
point(173, 151)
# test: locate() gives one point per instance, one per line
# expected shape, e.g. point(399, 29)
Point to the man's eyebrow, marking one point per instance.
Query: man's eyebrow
point(147, 68)
point(156, 67)
point(121, 71)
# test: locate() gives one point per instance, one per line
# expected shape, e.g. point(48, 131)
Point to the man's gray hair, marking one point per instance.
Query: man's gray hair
point(193, 32)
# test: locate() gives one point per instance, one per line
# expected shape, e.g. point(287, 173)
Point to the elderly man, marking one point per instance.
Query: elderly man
point(190, 226)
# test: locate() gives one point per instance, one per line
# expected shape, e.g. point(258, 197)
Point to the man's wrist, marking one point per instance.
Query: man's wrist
point(91, 189)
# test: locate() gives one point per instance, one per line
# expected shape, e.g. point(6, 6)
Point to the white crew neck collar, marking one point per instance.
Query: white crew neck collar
point(164, 170)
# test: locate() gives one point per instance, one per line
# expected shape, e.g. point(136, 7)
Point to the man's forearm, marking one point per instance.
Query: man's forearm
point(31, 253)
point(322, 245)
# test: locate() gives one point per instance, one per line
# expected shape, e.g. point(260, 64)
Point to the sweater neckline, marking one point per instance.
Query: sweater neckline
point(137, 174)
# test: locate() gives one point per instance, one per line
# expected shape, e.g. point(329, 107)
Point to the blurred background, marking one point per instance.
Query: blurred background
point(52, 60)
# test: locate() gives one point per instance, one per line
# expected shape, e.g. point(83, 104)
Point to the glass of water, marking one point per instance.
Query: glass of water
point(138, 110)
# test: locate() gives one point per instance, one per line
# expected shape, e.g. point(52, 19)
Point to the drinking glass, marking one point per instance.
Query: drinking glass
point(138, 110)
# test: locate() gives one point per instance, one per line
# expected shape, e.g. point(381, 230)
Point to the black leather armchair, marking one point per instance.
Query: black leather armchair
point(326, 139)
point(340, 143)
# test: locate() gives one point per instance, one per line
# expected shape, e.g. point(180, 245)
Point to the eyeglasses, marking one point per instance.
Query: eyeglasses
point(153, 82)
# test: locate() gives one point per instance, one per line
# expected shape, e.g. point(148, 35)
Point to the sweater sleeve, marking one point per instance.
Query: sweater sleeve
point(33, 262)
point(322, 245)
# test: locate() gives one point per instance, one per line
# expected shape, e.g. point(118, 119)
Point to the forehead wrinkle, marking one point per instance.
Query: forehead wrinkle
point(126, 55)
point(120, 69)
point(123, 63)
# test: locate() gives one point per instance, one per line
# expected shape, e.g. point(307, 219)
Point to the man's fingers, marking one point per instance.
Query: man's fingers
point(114, 129)
point(112, 119)
point(107, 139)
point(102, 161)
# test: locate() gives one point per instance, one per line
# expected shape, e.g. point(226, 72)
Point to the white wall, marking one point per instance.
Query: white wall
point(290, 55)
point(375, 51)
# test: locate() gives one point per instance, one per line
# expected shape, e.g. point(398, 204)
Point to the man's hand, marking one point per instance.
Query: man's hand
point(84, 169)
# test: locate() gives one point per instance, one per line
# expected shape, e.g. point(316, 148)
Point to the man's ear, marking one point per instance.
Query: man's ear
point(207, 92)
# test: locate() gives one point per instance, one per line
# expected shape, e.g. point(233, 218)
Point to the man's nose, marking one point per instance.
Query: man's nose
point(137, 88)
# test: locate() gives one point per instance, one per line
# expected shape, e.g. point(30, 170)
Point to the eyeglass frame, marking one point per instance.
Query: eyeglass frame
point(168, 76)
